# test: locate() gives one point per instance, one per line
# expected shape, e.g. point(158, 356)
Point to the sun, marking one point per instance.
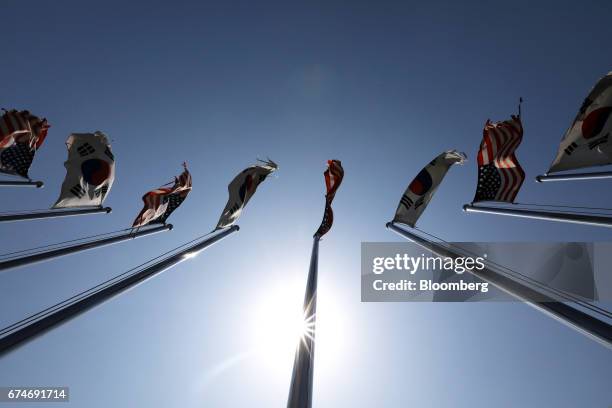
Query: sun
point(278, 324)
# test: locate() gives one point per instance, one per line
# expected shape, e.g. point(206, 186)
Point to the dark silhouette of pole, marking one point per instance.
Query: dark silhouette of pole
point(33, 328)
point(578, 320)
point(72, 249)
point(574, 176)
point(584, 219)
point(300, 391)
point(53, 214)
point(19, 183)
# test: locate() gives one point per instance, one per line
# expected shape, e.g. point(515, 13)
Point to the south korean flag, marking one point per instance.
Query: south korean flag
point(588, 141)
point(90, 171)
point(422, 188)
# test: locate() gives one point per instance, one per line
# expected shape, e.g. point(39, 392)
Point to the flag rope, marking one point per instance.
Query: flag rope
point(549, 207)
point(93, 290)
point(57, 245)
point(558, 211)
point(565, 206)
point(11, 212)
point(515, 274)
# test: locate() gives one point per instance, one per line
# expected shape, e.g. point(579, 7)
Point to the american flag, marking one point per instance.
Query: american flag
point(328, 219)
point(500, 175)
point(21, 134)
point(161, 202)
point(333, 177)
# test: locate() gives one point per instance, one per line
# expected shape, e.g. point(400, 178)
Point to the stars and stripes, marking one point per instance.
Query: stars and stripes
point(500, 175)
point(17, 159)
point(333, 178)
point(21, 134)
point(328, 219)
point(161, 202)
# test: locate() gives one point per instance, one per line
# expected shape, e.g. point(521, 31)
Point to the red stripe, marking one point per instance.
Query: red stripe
point(504, 176)
point(514, 170)
point(483, 147)
point(489, 144)
point(510, 145)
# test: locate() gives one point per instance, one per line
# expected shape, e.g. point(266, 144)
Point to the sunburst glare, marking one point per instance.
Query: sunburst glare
point(278, 324)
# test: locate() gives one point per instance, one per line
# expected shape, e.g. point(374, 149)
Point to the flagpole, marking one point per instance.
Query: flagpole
point(33, 328)
point(19, 183)
point(53, 214)
point(583, 219)
point(72, 249)
point(574, 176)
point(300, 391)
point(580, 321)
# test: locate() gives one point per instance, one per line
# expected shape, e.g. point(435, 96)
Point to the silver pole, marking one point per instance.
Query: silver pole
point(17, 183)
point(56, 253)
point(53, 214)
point(584, 219)
point(35, 327)
point(574, 176)
point(300, 391)
point(582, 322)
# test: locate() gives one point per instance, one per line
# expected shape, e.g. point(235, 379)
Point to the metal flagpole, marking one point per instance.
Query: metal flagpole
point(27, 332)
point(574, 176)
point(69, 250)
point(582, 322)
point(300, 391)
point(543, 215)
point(18, 183)
point(53, 214)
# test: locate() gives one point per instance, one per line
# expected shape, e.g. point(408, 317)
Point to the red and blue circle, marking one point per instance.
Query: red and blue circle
point(95, 171)
point(594, 123)
point(421, 183)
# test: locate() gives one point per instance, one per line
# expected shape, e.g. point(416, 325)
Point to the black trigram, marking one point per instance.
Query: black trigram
point(597, 142)
point(78, 191)
point(85, 149)
point(585, 104)
point(109, 154)
point(101, 192)
point(235, 208)
point(570, 149)
point(419, 202)
point(406, 202)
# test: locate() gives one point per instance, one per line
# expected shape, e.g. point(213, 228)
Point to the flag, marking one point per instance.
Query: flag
point(90, 171)
point(242, 188)
point(423, 187)
point(333, 178)
point(500, 175)
point(161, 202)
point(21, 134)
point(587, 142)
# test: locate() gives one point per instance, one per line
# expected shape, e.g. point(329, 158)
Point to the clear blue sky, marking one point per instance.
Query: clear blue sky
point(382, 86)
